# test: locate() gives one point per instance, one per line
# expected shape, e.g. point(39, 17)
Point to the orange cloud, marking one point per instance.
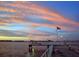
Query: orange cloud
point(66, 28)
point(61, 20)
point(7, 9)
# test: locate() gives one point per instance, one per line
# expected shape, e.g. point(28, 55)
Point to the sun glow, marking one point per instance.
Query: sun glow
point(14, 38)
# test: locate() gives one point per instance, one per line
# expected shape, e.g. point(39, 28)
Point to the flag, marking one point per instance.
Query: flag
point(58, 28)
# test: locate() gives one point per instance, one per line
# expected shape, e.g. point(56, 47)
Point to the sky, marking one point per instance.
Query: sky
point(39, 20)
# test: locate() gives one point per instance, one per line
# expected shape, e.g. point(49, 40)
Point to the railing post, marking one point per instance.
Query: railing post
point(50, 50)
point(30, 50)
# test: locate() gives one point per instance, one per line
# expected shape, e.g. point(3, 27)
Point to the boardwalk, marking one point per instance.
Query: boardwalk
point(21, 49)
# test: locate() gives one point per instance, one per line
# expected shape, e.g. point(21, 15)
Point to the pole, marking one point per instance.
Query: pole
point(30, 50)
point(33, 52)
point(57, 34)
point(58, 28)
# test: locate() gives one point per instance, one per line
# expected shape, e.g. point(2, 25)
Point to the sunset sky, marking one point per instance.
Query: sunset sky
point(38, 20)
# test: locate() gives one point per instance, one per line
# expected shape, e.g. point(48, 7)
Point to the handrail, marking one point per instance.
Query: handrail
point(44, 53)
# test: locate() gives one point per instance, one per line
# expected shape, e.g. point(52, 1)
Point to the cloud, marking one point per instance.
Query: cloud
point(24, 9)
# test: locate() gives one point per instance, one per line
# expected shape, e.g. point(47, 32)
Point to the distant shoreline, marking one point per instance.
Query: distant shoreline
point(36, 41)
